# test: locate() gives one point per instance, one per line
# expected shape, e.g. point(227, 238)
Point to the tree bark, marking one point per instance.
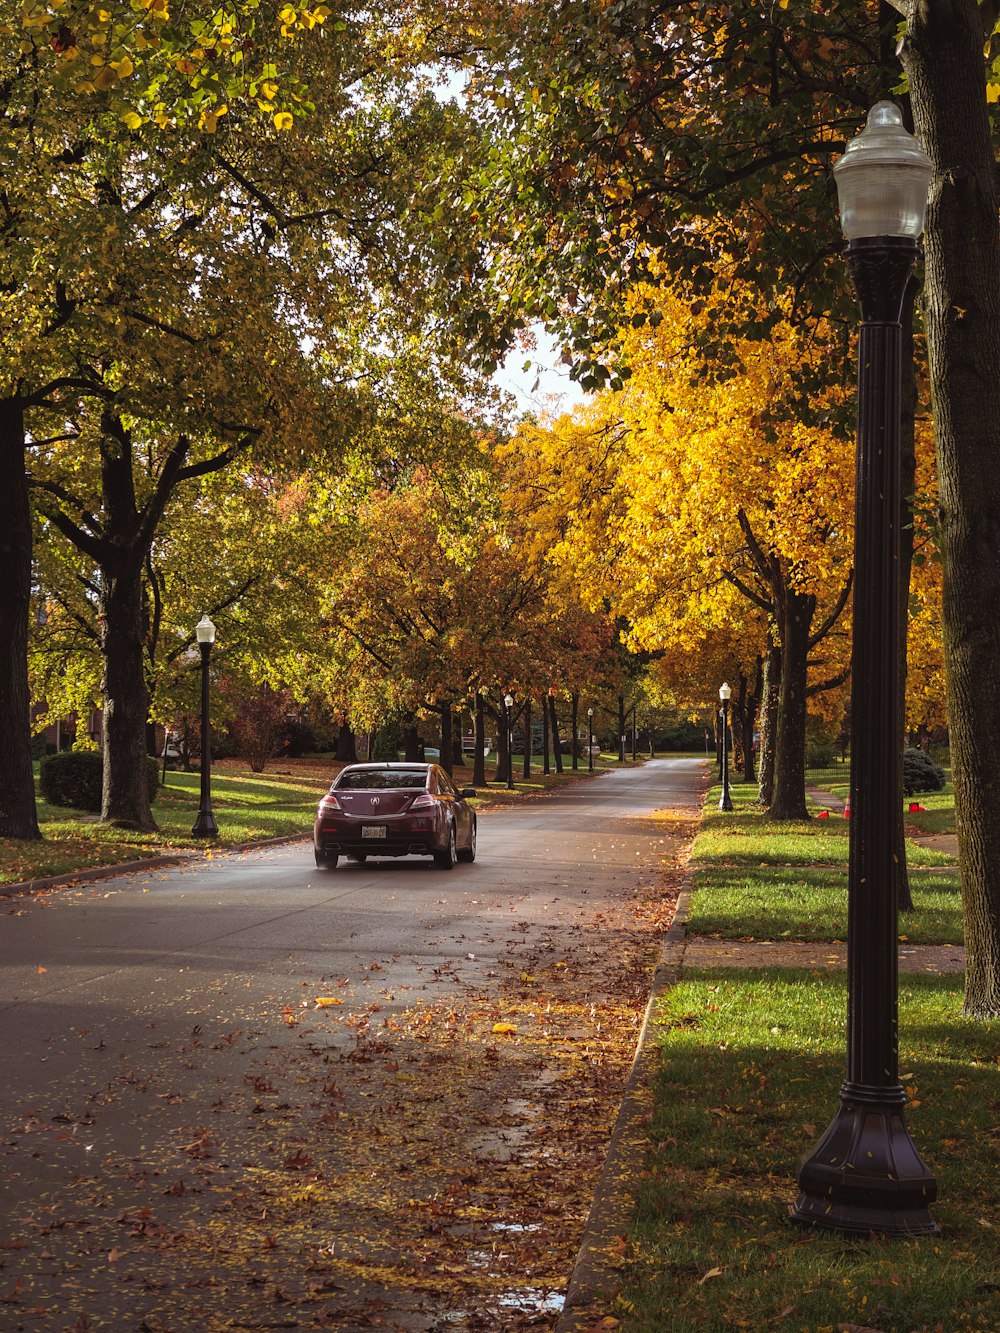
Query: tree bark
point(789, 800)
point(621, 728)
point(444, 738)
point(769, 691)
point(18, 816)
point(125, 800)
point(526, 764)
point(347, 745)
point(575, 708)
point(479, 759)
point(556, 745)
point(943, 57)
point(546, 766)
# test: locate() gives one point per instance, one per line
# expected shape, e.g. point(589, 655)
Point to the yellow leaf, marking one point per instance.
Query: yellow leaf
point(324, 1001)
point(132, 119)
point(714, 1272)
point(993, 92)
point(283, 120)
point(504, 1027)
point(123, 68)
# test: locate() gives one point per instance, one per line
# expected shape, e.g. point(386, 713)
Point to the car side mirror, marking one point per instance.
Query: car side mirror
point(467, 792)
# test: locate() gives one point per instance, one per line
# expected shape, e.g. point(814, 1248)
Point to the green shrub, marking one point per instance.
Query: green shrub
point(920, 773)
point(74, 779)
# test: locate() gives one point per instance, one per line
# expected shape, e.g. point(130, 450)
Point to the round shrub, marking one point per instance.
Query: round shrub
point(920, 773)
point(74, 779)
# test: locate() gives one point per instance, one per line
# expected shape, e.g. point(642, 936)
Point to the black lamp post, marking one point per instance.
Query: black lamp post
point(865, 1174)
point(590, 739)
point(508, 701)
point(205, 825)
point(725, 694)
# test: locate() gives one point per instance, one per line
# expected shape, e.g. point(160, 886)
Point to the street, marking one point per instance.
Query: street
point(245, 1093)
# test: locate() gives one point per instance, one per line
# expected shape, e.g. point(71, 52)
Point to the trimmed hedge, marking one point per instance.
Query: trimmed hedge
point(920, 773)
point(74, 779)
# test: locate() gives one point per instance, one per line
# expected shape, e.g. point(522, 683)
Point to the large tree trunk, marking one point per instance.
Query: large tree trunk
point(526, 763)
point(125, 797)
point(789, 800)
point(769, 692)
point(347, 745)
point(556, 743)
point(943, 57)
point(479, 759)
point(444, 738)
point(18, 816)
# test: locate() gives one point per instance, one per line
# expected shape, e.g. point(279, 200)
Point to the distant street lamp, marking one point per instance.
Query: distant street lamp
point(590, 739)
point(725, 694)
point(865, 1174)
point(508, 700)
point(205, 825)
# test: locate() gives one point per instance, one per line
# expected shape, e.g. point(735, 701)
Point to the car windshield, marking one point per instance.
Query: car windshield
point(383, 780)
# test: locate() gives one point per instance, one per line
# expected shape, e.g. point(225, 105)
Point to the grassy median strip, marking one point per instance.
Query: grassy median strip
point(750, 1067)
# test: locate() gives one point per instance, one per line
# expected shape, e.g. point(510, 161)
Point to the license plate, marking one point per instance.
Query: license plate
point(373, 830)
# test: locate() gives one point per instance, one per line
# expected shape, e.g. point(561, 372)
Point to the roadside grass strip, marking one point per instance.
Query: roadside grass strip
point(804, 903)
point(747, 837)
point(750, 1065)
point(246, 809)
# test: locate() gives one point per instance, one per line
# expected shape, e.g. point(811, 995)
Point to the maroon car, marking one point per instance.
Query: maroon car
point(395, 810)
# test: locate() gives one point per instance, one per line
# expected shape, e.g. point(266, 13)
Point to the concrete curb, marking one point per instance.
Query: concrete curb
point(133, 867)
point(593, 1280)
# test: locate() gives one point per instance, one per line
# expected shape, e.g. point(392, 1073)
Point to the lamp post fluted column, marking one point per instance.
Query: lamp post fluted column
point(205, 825)
point(865, 1174)
point(725, 800)
point(508, 701)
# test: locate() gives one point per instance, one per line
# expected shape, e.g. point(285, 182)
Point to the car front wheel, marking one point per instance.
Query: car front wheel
point(445, 860)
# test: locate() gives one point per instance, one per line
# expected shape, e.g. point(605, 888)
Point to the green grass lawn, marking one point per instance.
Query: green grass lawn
point(750, 1066)
point(712, 1249)
point(247, 807)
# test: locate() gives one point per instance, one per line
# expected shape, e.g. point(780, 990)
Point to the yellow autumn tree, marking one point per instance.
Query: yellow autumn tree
point(689, 501)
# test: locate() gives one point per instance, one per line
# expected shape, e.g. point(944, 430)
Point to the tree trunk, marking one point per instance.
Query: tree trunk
point(556, 744)
point(347, 745)
point(526, 714)
point(789, 800)
point(769, 691)
point(546, 766)
point(125, 799)
point(479, 759)
point(943, 57)
point(18, 816)
point(411, 742)
point(621, 728)
point(575, 722)
point(444, 738)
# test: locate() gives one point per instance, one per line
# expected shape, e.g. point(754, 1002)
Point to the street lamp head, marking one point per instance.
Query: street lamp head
point(509, 700)
point(590, 712)
point(205, 630)
point(883, 178)
point(725, 691)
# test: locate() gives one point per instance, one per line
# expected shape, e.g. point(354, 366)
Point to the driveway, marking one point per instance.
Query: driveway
point(247, 1094)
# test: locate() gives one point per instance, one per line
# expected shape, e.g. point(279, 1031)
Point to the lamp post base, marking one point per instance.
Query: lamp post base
point(725, 802)
point(205, 825)
point(865, 1174)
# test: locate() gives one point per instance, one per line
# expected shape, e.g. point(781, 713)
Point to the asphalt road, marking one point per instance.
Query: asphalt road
point(180, 1045)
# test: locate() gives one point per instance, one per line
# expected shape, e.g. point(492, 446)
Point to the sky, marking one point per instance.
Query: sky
point(555, 390)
